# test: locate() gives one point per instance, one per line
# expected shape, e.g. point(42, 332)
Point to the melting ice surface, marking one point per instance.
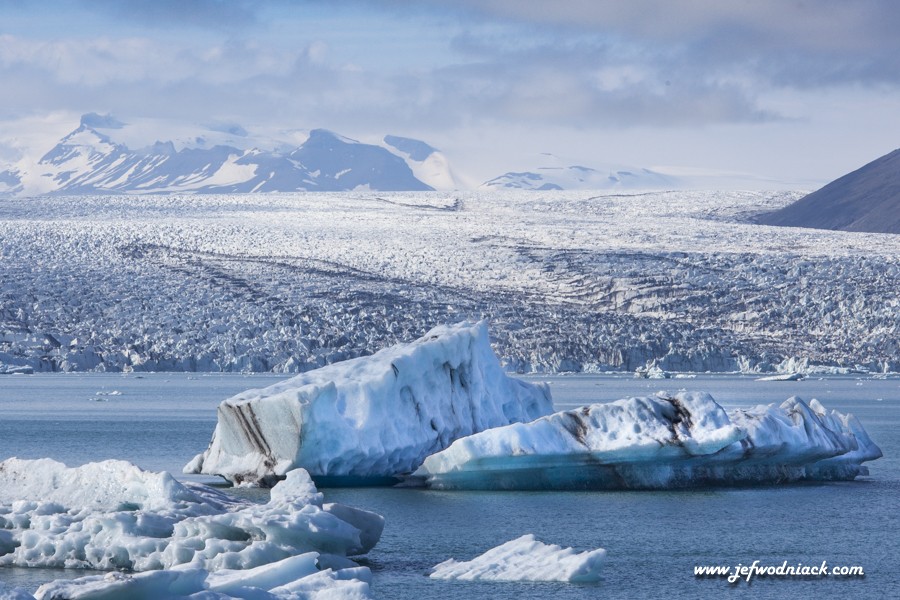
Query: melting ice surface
point(371, 417)
point(112, 515)
point(526, 559)
point(658, 442)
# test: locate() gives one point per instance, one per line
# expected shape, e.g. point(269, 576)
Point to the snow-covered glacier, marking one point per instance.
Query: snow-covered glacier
point(373, 417)
point(112, 515)
point(525, 559)
point(570, 281)
point(657, 442)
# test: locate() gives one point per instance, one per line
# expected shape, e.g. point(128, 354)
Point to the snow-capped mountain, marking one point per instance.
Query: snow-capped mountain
point(428, 164)
point(222, 159)
point(583, 178)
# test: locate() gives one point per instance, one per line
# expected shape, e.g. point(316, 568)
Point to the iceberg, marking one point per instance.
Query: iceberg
point(371, 418)
point(114, 516)
point(658, 442)
point(526, 559)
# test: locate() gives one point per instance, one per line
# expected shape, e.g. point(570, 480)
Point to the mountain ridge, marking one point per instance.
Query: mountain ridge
point(106, 155)
point(575, 177)
point(88, 161)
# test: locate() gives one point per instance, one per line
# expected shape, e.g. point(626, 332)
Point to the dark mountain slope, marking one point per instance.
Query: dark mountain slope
point(867, 199)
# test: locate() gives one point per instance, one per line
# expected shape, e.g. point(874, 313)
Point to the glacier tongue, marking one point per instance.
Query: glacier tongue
point(370, 418)
point(657, 442)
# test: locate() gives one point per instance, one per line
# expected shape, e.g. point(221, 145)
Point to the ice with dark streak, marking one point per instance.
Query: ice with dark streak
point(658, 442)
point(372, 418)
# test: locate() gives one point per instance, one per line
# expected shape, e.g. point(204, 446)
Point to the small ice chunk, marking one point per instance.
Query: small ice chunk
point(783, 377)
point(526, 559)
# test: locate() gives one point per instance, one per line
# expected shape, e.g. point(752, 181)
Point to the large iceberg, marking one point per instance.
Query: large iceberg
point(526, 559)
point(657, 442)
point(114, 516)
point(370, 418)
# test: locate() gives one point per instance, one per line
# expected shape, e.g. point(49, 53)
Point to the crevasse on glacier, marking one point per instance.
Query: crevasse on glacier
point(594, 282)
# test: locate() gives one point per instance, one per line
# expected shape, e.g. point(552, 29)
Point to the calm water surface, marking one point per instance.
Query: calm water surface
point(653, 539)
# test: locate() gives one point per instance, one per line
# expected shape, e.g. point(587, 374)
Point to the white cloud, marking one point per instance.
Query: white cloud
point(570, 72)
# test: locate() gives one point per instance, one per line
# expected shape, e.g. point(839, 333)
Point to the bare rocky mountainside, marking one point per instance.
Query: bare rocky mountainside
point(867, 199)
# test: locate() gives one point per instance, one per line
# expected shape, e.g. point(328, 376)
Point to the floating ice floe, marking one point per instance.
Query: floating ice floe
point(13, 593)
point(526, 559)
point(114, 516)
point(15, 370)
point(651, 372)
point(372, 417)
point(655, 443)
point(294, 578)
point(783, 377)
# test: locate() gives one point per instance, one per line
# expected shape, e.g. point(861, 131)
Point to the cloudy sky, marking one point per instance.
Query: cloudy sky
point(798, 91)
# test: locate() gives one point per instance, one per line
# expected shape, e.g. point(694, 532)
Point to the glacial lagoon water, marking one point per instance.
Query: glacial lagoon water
point(653, 539)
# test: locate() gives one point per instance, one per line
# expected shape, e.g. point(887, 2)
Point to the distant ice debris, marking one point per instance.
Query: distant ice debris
point(371, 417)
point(658, 442)
point(651, 372)
point(526, 559)
point(114, 516)
point(783, 377)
